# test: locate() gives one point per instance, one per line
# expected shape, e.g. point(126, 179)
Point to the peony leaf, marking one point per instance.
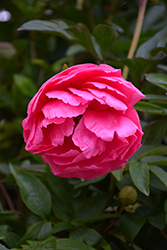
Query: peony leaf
point(155, 160)
point(157, 79)
point(39, 231)
point(34, 194)
point(160, 173)
point(131, 224)
point(156, 98)
point(71, 244)
point(150, 108)
point(155, 151)
point(140, 176)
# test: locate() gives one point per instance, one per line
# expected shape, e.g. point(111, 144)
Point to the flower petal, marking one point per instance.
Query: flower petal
point(104, 124)
point(59, 109)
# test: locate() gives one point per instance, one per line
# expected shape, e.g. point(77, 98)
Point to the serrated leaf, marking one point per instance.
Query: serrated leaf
point(71, 244)
point(140, 176)
point(33, 193)
point(25, 84)
point(160, 173)
point(131, 225)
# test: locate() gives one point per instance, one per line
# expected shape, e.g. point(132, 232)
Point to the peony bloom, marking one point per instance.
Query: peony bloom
point(83, 123)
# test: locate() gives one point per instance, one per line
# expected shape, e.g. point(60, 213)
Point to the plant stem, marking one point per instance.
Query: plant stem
point(113, 221)
point(136, 35)
point(8, 200)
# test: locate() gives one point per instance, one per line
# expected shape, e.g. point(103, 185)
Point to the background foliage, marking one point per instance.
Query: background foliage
point(42, 211)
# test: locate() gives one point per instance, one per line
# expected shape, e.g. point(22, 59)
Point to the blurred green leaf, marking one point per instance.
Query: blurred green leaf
point(131, 224)
point(62, 210)
point(56, 27)
point(157, 79)
point(118, 174)
point(39, 231)
point(49, 244)
point(154, 132)
point(3, 247)
point(105, 35)
point(88, 182)
point(158, 220)
point(155, 160)
point(25, 84)
point(61, 226)
point(156, 98)
point(92, 206)
point(8, 237)
point(150, 108)
point(60, 186)
point(71, 244)
point(34, 194)
point(160, 173)
point(155, 151)
point(150, 44)
point(140, 176)
point(81, 34)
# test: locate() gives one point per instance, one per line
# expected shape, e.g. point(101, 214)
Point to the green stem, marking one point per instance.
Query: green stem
point(113, 221)
point(136, 35)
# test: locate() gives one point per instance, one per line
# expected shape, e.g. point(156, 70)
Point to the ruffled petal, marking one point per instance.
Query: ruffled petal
point(59, 109)
point(105, 124)
point(87, 141)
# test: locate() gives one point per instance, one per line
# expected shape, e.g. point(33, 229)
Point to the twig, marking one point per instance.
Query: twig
point(8, 200)
point(136, 35)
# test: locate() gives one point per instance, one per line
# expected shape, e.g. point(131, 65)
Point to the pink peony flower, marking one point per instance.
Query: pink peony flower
point(83, 123)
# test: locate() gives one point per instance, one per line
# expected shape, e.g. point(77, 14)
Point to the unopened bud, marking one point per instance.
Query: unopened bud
point(128, 195)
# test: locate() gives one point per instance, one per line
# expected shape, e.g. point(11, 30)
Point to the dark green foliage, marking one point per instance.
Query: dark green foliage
point(40, 211)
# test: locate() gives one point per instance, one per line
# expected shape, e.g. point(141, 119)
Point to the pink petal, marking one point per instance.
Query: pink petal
point(66, 97)
point(104, 124)
point(59, 109)
point(87, 141)
point(105, 98)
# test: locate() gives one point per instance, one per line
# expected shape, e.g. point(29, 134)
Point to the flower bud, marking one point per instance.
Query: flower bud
point(128, 195)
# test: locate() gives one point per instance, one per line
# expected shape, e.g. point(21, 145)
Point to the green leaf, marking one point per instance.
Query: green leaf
point(25, 84)
point(81, 34)
point(8, 237)
point(92, 237)
point(60, 187)
point(157, 79)
point(56, 27)
point(158, 220)
point(118, 174)
point(156, 98)
point(150, 44)
point(105, 36)
point(89, 182)
point(91, 207)
point(61, 226)
point(155, 151)
point(62, 210)
point(48, 244)
point(39, 231)
point(150, 108)
point(34, 194)
point(140, 176)
point(155, 160)
point(154, 132)
point(131, 225)
point(160, 173)
point(71, 244)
